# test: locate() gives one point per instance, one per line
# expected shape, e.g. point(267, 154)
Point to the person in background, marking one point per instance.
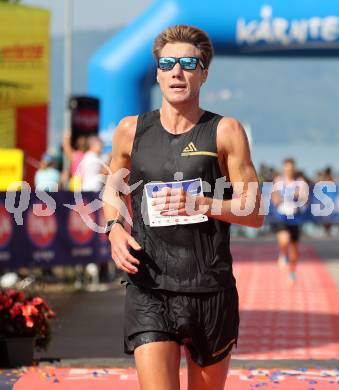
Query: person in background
point(92, 171)
point(47, 177)
point(326, 175)
point(288, 231)
point(74, 156)
point(92, 166)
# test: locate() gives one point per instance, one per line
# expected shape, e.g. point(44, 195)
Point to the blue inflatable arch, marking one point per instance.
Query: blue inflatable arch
point(122, 72)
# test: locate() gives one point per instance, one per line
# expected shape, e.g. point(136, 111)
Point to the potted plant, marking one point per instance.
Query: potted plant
point(24, 325)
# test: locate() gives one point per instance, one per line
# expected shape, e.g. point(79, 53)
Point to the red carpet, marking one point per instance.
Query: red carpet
point(126, 379)
point(283, 322)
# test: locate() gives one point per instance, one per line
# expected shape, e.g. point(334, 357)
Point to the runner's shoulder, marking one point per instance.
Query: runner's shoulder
point(125, 131)
point(127, 125)
point(230, 130)
point(230, 124)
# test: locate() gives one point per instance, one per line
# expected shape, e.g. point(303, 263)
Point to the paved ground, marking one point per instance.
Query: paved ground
point(281, 327)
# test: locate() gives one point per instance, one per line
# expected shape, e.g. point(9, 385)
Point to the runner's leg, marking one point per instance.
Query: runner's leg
point(157, 365)
point(294, 255)
point(209, 377)
point(283, 238)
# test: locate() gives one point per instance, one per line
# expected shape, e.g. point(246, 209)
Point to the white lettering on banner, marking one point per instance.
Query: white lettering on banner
point(43, 255)
point(315, 24)
point(280, 30)
point(87, 251)
point(299, 31)
point(5, 256)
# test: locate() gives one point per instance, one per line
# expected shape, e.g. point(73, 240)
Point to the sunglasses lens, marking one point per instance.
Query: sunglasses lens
point(166, 63)
point(188, 63)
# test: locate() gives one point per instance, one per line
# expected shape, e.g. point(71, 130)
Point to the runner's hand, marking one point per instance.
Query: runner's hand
point(175, 201)
point(120, 242)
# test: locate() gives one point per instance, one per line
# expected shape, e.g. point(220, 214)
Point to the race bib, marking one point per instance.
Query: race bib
point(193, 187)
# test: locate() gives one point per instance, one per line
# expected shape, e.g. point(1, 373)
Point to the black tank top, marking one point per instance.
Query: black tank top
point(183, 258)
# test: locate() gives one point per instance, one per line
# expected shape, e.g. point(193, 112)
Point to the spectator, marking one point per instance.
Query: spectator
point(75, 156)
point(91, 168)
point(47, 177)
point(326, 175)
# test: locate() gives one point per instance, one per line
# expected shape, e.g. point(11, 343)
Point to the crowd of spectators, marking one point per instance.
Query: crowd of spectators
point(81, 167)
point(267, 173)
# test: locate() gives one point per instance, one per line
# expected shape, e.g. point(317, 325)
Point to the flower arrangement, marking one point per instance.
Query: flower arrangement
point(24, 315)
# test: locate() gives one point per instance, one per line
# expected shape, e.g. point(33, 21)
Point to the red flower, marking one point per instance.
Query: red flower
point(15, 310)
point(28, 310)
point(11, 292)
point(23, 314)
point(21, 296)
point(29, 322)
point(37, 301)
point(8, 303)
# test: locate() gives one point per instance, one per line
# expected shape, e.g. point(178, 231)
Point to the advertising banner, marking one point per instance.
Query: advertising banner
point(49, 233)
point(84, 117)
point(11, 167)
point(7, 127)
point(24, 55)
point(65, 228)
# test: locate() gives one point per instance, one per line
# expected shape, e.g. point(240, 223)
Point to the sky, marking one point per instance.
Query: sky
point(91, 14)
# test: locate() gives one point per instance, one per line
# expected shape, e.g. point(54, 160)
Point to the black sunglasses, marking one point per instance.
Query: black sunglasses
point(186, 63)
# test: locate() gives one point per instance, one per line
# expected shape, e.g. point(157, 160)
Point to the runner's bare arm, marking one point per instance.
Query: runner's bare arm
point(275, 197)
point(66, 144)
point(235, 154)
point(120, 160)
point(113, 200)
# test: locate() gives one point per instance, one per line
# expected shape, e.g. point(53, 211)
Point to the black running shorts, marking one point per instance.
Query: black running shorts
point(207, 323)
point(293, 230)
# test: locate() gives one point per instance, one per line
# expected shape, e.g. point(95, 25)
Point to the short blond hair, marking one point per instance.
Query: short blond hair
point(187, 34)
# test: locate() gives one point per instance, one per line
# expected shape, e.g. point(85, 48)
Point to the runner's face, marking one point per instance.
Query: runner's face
point(289, 170)
point(178, 85)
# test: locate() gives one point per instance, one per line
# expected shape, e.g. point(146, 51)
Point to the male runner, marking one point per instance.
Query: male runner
point(289, 187)
point(180, 287)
